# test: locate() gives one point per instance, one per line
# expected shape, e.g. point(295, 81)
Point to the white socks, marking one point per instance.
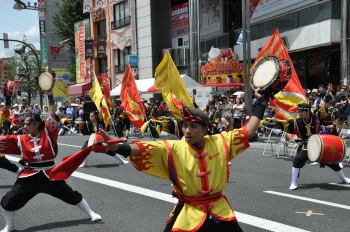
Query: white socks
point(83, 164)
point(295, 174)
point(83, 205)
point(342, 176)
point(118, 157)
point(9, 217)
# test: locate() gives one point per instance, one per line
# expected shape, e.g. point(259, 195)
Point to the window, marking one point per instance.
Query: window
point(121, 15)
point(122, 59)
point(284, 23)
point(102, 65)
point(101, 28)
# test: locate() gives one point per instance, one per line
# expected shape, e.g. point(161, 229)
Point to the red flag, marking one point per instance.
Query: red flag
point(54, 53)
point(106, 89)
point(69, 164)
point(253, 5)
point(131, 100)
point(285, 102)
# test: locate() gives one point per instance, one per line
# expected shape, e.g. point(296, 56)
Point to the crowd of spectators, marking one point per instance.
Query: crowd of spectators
point(14, 123)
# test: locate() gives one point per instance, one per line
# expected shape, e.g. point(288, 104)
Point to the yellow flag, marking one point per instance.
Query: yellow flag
point(170, 84)
point(98, 98)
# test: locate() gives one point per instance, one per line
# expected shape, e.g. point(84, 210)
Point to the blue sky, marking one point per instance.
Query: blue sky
point(17, 24)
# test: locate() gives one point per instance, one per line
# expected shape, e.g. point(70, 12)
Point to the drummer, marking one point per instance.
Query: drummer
point(328, 117)
point(304, 127)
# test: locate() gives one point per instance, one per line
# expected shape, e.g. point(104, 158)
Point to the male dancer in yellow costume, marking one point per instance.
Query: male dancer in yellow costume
point(197, 166)
point(4, 162)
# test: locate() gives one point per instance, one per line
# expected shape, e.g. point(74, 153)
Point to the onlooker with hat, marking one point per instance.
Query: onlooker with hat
point(24, 102)
point(45, 113)
point(15, 109)
point(317, 97)
point(37, 109)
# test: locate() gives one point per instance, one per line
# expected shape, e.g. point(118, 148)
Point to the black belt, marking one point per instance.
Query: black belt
point(41, 165)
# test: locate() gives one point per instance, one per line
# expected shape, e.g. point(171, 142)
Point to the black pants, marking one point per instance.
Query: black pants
point(6, 164)
point(209, 225)
point(152, 127)
point(301, 157)
point(27, 188)
point(126, 122)
point(119, 127)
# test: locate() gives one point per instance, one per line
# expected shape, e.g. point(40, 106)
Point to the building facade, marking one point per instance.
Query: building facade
point(3, 63)
point(311, 31)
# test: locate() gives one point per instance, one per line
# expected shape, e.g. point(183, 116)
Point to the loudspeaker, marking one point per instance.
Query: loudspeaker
point(88, 107)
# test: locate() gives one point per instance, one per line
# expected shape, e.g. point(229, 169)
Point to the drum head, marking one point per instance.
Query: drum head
point(314, 148)
point(46, 81)
point(92, 139)
point(265, 72)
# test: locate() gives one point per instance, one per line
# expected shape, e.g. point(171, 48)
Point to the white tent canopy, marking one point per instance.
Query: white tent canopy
point(143, 85)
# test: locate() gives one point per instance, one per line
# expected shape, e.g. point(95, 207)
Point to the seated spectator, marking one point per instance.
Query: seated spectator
point(17, 129)
point(65, 126)
point(14, 122)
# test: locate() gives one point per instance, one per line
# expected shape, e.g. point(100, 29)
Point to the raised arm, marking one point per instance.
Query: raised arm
point(257, 116)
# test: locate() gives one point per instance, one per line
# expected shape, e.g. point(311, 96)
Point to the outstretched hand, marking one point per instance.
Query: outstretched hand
point(112, 147)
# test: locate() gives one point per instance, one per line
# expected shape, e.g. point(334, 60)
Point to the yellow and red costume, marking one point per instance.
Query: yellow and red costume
point(198, 182)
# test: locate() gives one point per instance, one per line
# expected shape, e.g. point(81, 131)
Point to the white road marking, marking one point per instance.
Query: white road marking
point(242, 217)
point(341, 185)
point(309, 199)
point(68, 145)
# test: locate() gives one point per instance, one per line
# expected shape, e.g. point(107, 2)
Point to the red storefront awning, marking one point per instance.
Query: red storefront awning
point(79, 89)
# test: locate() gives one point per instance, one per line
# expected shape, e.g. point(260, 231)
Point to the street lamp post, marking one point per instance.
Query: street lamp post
point(44, 50)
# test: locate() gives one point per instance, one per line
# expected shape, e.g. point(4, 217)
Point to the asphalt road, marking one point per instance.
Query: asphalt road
point(129, 200)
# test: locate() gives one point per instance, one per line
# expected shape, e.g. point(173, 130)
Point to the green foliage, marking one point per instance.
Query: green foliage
point(69, 12)
point(27, 67)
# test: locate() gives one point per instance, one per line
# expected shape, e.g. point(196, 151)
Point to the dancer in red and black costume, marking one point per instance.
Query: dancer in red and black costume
point(38, 149)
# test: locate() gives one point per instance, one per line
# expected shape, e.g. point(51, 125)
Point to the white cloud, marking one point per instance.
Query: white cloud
point(32, 37)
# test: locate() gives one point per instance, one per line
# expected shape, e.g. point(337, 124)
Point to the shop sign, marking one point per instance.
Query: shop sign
point(99, 14)
point(101, 46)
point(89, 49)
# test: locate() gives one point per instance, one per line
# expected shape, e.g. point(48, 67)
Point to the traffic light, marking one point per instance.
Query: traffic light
point(21, 50)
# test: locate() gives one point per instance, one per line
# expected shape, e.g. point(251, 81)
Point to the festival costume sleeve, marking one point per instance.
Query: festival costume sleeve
point(289, 127)
point(9, 144)
point(237, 141)
point(52, 124)
point(153, 159)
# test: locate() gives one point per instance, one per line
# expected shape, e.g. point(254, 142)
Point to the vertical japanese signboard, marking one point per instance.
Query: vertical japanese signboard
point(179, 26)
point(82, 33)
point(101, 46)
point(42, 30)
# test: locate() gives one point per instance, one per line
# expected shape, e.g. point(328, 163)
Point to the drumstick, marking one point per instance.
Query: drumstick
point(121, 140)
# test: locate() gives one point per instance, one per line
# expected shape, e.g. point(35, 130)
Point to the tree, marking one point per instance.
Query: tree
point(69, 12)
point(25, 63)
